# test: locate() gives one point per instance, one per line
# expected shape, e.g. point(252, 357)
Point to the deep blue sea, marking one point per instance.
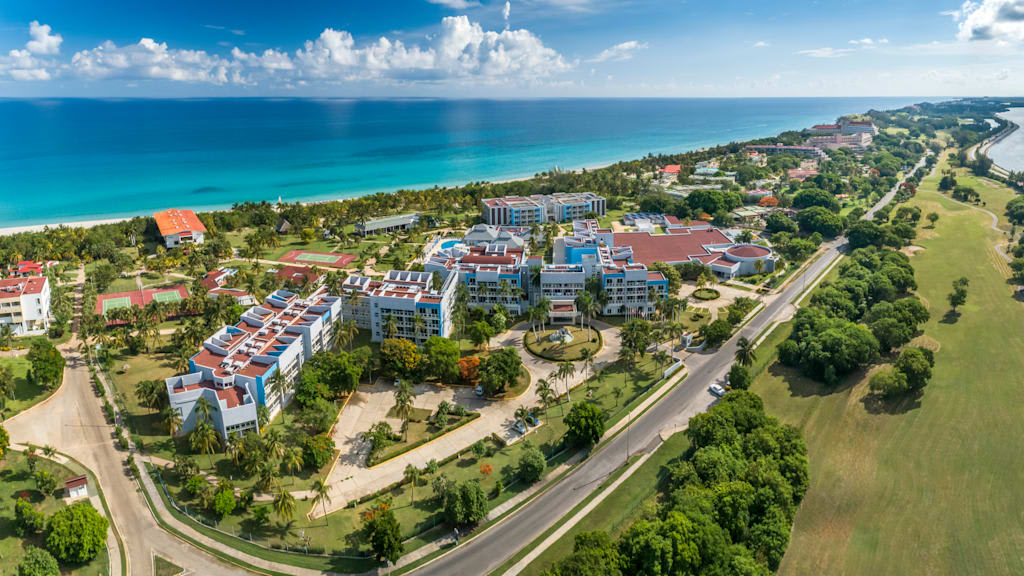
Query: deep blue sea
point(64, 160)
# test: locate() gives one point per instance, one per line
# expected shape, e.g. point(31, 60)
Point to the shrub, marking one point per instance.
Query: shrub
point(531, 464)
point(586, 424)
point(76, 534)
point(739, 377)
point(27, 520)
point(317, 451)
point(38, 562)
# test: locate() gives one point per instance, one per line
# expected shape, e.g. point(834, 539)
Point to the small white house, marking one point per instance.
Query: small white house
point(77, 487)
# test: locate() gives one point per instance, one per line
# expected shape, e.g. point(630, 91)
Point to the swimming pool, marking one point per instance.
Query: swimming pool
point(448, 244)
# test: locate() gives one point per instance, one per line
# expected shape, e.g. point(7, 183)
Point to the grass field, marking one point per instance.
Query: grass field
point(544, 347)
point(26, 394)
point(164, 567)
point(17, 480)
point(928, 485)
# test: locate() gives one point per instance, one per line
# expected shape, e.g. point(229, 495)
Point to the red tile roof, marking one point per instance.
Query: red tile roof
point(76, 482)
point(297, 274)
point(672, 169)
point(175, 221)
point(678, 247)
point(11, 287)
point(749, 251)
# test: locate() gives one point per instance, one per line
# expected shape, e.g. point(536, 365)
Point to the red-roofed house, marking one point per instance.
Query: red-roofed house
point(77, 487)
point(299, 275)
point(179, 227)
point(27, 268)
point(25, 304)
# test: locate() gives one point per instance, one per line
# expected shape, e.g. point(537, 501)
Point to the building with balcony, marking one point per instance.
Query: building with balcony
point(179, 227)
point(25, 304)
point(540, 208)
point(387, 225)
point(235, 367)
point(403, 304)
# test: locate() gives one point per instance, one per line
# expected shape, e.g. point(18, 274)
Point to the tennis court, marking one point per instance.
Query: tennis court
point(169, 296)
point(324, 258)
point(115, 303)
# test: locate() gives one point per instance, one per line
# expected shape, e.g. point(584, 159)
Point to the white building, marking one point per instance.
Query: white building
point(387, 225)
point(234, 368)
point(25, 304)
point(410, 302)
point(540, 208)
point(180, 227)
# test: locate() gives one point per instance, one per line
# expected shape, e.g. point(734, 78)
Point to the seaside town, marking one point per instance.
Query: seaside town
point(373, 383)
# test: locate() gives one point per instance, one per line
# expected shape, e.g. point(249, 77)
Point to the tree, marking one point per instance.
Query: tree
point(958, 297)
point(441, 358)
point(412, 476)
point(821, 220)
point(45, 482)
point(284, 505)
point(76, 533)
point(480, 333)
point(381, 529)
point(465, 503)
point(27, 520)
point(317, 451)
point(745, 354)
point(916, 365)
point(204, 439)
point(500, 371)
point(5, 442)
point(224, 502)
point(888, 383)
point(399, 356)
point(585, 424)
point(403, 405)
point(545, 392)
point(38, 562)
point(636, 336)
point(47, 363)
point(531, 464)
point(321, 495)
point(716, 332)
point(739, 377)
point(933, 218)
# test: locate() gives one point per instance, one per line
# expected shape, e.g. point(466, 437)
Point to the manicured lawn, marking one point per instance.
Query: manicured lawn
point(17, 480)
point(635, 498)
point(928, 485)
point(706, 294)
point(164, 567)
point(542, 345)
point(26, 394)
point(419, 431)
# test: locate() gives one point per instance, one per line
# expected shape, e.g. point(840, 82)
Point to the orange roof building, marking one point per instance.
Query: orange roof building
point(180, 227)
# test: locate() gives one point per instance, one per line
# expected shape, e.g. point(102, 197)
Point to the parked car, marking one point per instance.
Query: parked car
point(532, 420)
point(479, 391)
point(716, 390)
point(398, 382)
point(520, 427)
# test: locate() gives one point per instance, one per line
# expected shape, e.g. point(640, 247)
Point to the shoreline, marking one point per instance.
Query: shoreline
point(12, 230)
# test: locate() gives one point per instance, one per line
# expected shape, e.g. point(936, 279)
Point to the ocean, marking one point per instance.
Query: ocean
point(1009, 152)
point(67, 160)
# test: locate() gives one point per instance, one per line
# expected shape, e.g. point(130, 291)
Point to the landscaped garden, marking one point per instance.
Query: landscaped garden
point(706, 294)
point(551, 344)
point(31, 492)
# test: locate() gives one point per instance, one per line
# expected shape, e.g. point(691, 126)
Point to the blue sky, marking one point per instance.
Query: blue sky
point(519, 48)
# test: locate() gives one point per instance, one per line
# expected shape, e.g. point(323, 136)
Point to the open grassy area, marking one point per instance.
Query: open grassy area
point(635, 498)
point(26, 394)
point(164, 567)
point(16, 480)
point(419, 430)
point(927, 485)
point(542, 345)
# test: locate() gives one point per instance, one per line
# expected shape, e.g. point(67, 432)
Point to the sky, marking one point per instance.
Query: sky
point(513, 49)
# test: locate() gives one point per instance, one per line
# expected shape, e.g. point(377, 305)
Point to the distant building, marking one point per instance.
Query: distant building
point(234, 368)
point(77, 487)
point(298, 275)
point(387, 225)
point(858, 141)
point(179, 227)
point(801, 174)
point(25, 304)
point(845, 127)
point(485, 235)
point(540, 208)
point(26, 268)
point(773, 149)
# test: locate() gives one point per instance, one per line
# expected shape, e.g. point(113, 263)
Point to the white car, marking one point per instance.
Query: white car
point(520, 427)
point(716, 390)
point(398, 382)
point(479, 391)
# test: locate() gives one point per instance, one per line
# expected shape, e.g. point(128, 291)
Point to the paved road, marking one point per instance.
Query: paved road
point(492, 548)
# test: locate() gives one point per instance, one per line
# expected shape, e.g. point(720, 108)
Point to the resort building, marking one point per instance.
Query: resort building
point(858, 141)
point(492, 273)
point(27, 268)
point(403, 304)
point(179, 227)
point(486, 235)
point(845, 126)
point(540, 208)
point(234, 369)
point(387, 225)
point(773, 149)
point(25, 304)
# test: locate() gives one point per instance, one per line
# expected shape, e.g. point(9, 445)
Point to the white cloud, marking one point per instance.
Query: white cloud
point(619, 52)
point(465, 49)
point(827, 52)
point(506, 12)
point(869, 41)
point(42, 41)
point(990, 20)
point(149, 59)
point(761, 44)
point(456, 4)
point(269, 59)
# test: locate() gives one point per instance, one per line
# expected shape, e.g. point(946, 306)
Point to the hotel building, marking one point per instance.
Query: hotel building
point(179, 227)
point(234, 368)
point(408, 301)
point(540, 208)
point(25, 304)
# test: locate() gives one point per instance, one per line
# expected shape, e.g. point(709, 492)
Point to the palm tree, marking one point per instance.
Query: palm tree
point(521, 414)
point(661, 357)
point(6, 335)
point(417, 325)
point(390, 326)
point(273, 442)
point(284, 505)
point(347, 333)
point(266, 478)
point(403, 405)
point(172, 418)
point(292, 459)
point(233, 448)
point(279, 387)
point(545, 392)
point(759, 266)
point(412, 475)
point(204, 439)
point(204, 408)
point(745, 354)
point(543, 310)
point(587, 357)
point(584, 304)
point(321, 496)
point(565, 371)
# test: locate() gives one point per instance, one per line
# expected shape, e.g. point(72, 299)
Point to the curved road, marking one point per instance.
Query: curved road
point(500, 542)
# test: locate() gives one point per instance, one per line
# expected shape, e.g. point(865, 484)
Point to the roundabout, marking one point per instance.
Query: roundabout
point(562, 343)
point(706, 294)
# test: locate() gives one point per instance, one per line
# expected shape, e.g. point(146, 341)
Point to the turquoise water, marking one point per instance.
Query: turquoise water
point(448, 244)
point(70, 160)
